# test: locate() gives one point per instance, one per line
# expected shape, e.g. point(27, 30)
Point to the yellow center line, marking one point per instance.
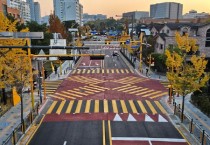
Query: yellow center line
point(106, 110)
point(96, 109)
point(110, 133)
point(60, 107)
point(87, 108)
point(156, 92)
point(78, 106)
point(103, 130)
point(160, 107)
point(68, 110)
point(114, 106)
point(142, 107)
point(151, 107)
point(51, 107)
point(124, 109)
point(134, 110)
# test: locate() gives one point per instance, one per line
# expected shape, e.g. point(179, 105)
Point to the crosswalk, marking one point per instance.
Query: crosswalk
point(85, 80)
point(51, 86)
point(102, 71)
point(141, 91)
point(130, 80)
point(165, 84)
point(106, 106)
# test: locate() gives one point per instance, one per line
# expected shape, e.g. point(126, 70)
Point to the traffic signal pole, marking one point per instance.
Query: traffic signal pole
point(31, 73)
point(140, 54)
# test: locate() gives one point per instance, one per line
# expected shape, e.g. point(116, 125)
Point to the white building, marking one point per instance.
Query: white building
point(37, 12)
point(22, 6)
point(194, 14)
point(31, 5)
point(168, 10)
point(68, 10)
point(81, 15)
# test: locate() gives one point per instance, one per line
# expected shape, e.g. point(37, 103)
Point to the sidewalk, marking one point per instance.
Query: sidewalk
point(12, 118)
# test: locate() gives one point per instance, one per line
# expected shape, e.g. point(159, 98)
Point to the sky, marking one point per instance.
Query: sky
point(111, 8)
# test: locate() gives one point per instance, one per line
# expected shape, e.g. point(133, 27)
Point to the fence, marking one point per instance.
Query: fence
point(17, 133)
point(193, 127)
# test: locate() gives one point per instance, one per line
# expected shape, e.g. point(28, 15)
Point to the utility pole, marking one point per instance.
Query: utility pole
point(140, 52)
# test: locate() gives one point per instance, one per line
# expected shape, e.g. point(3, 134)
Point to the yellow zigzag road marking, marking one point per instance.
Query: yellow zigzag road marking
point(51, 107)
point(68, 110)
point(151, 107)
point(76, 92)
point(149, 94)
point(138, 91)
point(144, 92)
point(56, 97)
point(60, 107)
point(121, 87)
point(66, 96)
point(71, 94)
point(135, 88)
point(159, 95)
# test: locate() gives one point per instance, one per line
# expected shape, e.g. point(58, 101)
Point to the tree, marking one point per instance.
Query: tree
point(14, 62)
point(56, 26)
point(186, 73)
point(35, 27)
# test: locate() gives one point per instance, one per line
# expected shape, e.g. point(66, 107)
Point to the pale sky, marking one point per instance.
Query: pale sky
point(117, 7)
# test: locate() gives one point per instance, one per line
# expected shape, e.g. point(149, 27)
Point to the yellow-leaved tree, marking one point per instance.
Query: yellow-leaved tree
point(14, 68)
point(186, 72)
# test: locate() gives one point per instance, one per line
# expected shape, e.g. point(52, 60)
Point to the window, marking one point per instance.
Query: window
point(162, 31)
point(207, 38)
point(161, 46)
point(167, 31)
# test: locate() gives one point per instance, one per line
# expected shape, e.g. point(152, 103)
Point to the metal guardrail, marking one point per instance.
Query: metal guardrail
point(17, 133)
point(199, 133)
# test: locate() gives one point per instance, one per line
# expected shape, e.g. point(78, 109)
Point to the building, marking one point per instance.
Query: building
point(32, 12)
point(87, 17)
point(37, 12)
point(3, 6)
point(22, 6)
point(81, 15)
point(165, 35)
point(136, 15)
point(169, 10)
point(194, 14)
point(45, 19)
point(68, 10)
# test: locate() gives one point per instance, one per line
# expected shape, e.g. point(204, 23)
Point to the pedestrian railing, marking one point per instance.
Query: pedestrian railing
point(192, 126)
point(17, 133)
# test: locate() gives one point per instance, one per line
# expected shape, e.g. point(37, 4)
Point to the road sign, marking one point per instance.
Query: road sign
point(30, 35)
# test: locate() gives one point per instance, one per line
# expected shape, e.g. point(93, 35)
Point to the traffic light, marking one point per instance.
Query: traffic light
point(122, 43)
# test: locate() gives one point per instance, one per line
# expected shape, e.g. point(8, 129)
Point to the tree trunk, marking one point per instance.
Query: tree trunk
point(4, 97)
point(182, 115)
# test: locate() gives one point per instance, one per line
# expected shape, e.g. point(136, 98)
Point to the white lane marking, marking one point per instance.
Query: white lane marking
point(65, 142)
point(90, 62)
point(149, 139)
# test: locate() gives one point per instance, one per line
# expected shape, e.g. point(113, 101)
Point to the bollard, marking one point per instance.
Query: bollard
point(191, 126)
point(175, 109)
point(13, 136)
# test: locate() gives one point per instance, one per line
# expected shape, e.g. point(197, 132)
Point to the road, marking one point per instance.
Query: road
point(104, 102)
